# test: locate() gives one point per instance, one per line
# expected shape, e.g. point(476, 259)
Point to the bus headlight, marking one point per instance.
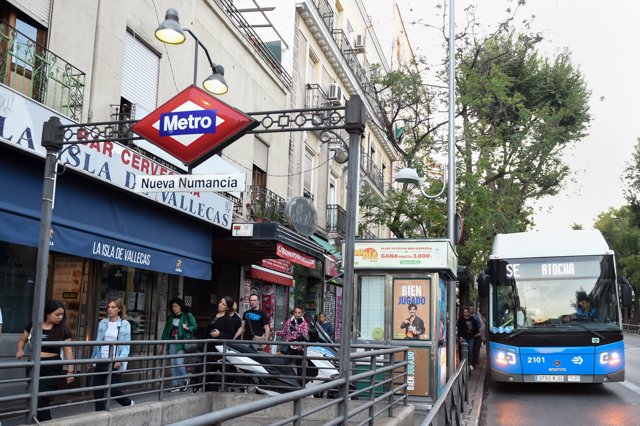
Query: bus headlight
point(504, 358)
point(609, 358)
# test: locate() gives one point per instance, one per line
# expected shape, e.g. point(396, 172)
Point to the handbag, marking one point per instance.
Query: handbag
point(190, 347)
point(255, 337)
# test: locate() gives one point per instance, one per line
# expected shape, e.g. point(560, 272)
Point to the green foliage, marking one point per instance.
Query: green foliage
point(516, 112)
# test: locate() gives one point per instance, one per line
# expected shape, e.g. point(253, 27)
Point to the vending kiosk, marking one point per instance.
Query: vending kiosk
point(401, 298)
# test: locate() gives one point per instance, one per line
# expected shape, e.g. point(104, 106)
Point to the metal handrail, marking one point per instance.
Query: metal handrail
point(388, 372)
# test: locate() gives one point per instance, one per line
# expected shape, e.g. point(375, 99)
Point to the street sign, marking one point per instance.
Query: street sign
point(193, 125)
point(229, 182)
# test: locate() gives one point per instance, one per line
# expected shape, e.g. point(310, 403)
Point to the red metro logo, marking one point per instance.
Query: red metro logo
point(193, 125)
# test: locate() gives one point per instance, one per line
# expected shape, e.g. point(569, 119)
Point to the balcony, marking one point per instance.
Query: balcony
point(372, 172)
point(326, 12)
point(336, 219)
point(237, 202)
point(307, 194)
point(316, 97)
point(34, 71)
point(266, 206)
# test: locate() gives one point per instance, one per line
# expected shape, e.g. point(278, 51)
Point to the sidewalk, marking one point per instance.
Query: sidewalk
point(471, 414)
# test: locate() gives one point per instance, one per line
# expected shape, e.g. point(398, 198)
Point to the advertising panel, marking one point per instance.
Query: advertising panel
point(418, 371)
point(405, 254)
point(411, 308)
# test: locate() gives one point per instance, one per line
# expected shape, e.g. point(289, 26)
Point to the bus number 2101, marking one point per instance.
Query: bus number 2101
point(535, 360)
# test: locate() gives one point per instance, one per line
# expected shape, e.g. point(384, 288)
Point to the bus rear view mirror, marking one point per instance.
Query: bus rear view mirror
point(483, 284)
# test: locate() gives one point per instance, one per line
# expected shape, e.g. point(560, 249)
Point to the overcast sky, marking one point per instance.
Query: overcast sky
point(602, 36)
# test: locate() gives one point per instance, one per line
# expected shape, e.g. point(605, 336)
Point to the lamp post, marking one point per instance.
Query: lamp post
point(171, 32)
point(411, 176)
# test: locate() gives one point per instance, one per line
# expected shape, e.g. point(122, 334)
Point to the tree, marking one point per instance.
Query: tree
point(620, 228)
point(516, 112)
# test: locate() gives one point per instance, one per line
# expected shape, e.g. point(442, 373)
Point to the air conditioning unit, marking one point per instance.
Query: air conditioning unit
point(335, 94)
point(358, 42)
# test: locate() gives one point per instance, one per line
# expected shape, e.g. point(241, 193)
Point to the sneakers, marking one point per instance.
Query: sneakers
point(175, 390)
point(185, 386)
point(132, 403)
point(471, 367)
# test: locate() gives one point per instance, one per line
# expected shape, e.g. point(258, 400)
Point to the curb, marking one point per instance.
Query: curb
point(476, 394)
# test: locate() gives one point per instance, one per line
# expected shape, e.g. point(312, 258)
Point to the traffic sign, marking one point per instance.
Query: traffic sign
point(193, 125)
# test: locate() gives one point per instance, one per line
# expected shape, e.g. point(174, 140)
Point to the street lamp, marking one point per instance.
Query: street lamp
point(171, 32)
point(411, 177)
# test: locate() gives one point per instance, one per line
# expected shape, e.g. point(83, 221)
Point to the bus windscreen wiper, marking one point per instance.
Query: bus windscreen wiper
point(595, 333)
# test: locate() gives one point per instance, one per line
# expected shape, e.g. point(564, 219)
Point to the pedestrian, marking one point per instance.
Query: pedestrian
point(255, 322)
point(482, 322)
point(180, 325)
point(326, 324)
point(467, 332)
point(54, 329)
point(477, 342)
point(113, 328)
point(224, 323)
point(296, 329)
point(0, 320)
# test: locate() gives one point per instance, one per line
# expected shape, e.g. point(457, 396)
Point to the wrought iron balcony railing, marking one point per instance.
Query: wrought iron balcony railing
point(269, 52)
point(316, 97)
point(326, 12)
point(307, 194)
point(237, 202)
point(267, 205)
point(336, 219)
point(373, 172)
point(36, 72)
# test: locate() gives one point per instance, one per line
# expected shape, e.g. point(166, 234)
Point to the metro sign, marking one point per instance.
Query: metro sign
point(193, 125)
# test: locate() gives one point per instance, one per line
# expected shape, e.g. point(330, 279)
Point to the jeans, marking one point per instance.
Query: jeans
point(178, 368)
point(470, 350)
point(101, 380)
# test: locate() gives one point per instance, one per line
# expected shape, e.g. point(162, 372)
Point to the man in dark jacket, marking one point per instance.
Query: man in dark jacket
point(467, 332)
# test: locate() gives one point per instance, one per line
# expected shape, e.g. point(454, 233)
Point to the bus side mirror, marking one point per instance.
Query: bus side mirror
point(627, 291)
point(483, 284)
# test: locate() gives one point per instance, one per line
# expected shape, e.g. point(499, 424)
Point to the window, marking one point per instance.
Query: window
point(308, 172)
point(259, 177)
point(371, 307)
point(140, 75)
point(17, 279)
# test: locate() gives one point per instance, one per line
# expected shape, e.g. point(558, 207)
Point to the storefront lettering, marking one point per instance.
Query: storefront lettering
point(24, 136)
point(120, 253)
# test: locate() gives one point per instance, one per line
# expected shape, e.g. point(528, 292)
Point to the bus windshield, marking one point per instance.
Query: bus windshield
point(555, 292)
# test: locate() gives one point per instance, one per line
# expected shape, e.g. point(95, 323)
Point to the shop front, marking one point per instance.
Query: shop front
point(280, 265)
point(106, 241)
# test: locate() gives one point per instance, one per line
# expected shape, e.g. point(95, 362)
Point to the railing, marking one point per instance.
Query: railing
point(237, 202)
point(267, 205)
point(336, 219)
point(316, 97)
point(378, 380)
point(365, 232)
point(307, 194)
point(259, 46)
point(36, 72)
point(326, 12)
point(373, 172)
point(631, 328)
point(449, 407)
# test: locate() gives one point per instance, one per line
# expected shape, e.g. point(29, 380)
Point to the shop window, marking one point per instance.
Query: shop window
point(17, 278)
point(371, 307)
point(132, 286)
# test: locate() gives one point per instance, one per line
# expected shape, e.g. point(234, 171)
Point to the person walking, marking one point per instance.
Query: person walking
point(54, 329)
point(482, 329)
point(295, 329)
point(255, 322)
point(326, 324)
point(180, 325)
point(224, 323)
point(113, 328)
point(467, 332)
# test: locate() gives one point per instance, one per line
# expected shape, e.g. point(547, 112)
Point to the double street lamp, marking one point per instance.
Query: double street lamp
point(171, 32)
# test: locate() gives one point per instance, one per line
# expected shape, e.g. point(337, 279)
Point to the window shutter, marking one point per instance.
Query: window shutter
point(140, 75)
point(260, 154)
point(36, 9)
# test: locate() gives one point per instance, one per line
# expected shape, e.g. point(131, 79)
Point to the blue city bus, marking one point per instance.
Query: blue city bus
point(553, 309)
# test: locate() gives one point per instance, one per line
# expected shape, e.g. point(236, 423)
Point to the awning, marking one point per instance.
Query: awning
point(262, 244)
point(94, 220)
point(264, 274)
point(327, 246)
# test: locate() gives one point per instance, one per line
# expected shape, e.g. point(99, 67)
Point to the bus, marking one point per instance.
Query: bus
point(553, 309)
